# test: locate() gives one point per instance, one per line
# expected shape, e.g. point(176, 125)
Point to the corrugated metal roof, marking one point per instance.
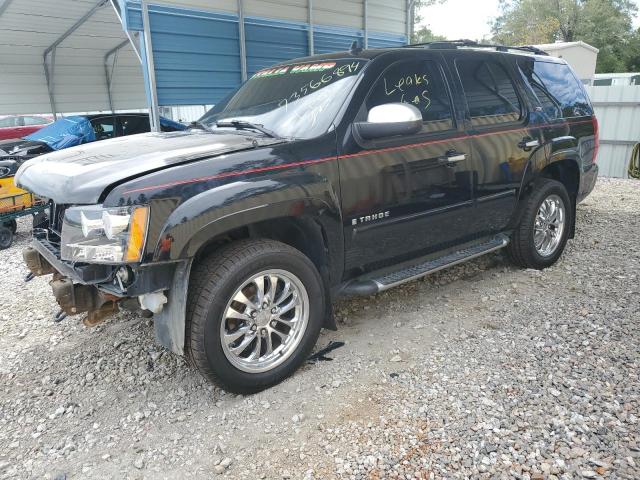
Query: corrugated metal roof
point(29, 27)
point(197, 51)
point(195, 43)
point(384, 15)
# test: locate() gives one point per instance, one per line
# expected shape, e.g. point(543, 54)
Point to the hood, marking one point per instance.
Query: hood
point(79, 175)
point(21, 149)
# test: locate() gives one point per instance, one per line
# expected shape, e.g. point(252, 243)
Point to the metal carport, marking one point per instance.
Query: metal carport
point(86, 55)
point(56, 56)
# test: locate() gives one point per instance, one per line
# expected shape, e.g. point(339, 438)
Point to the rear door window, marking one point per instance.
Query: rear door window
point(419, 83)
point(490, 92)
point(560, 93)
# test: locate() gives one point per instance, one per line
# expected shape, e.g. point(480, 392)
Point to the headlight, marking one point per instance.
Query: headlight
point(104, 235)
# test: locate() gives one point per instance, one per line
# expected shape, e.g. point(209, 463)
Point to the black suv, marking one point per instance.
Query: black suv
point(341, 174)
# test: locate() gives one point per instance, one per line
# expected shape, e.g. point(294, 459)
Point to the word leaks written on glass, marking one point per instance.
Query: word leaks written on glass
point(409, 88)
point(321, 74)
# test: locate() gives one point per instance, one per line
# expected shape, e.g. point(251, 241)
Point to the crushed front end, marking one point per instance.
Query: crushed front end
point(95, 255)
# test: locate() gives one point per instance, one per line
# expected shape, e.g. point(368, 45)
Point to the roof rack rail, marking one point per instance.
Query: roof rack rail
point(450, 44)
point(440, 43)
point(530, 48)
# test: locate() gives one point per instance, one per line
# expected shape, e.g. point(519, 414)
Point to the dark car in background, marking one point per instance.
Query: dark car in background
point(77, 130)
point(17, 126)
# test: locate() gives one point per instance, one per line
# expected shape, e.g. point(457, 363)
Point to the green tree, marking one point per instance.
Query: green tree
point(421, 33)
point(605, 24)
point(632, 53)
point(424, 34)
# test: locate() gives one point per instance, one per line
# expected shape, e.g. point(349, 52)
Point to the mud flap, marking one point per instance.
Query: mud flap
point(170, 323)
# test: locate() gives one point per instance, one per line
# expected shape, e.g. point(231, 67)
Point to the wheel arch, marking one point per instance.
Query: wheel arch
point(312, 233)
point(565, 171)
point(564, 167)
point(305, 216)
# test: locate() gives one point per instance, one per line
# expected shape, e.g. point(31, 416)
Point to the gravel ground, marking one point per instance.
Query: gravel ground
point(481, 371)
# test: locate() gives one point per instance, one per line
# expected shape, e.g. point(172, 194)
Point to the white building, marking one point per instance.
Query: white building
point(580, 55)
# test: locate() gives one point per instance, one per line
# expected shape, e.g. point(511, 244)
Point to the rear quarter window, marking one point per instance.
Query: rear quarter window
point(560, 93)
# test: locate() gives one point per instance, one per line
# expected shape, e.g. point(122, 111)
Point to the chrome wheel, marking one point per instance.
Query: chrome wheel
point(264, 321)
point(549, 226)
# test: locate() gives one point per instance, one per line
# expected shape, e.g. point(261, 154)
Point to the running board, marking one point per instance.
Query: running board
point(372, 285)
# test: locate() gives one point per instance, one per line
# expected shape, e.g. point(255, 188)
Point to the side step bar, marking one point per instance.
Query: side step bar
point(372, 285)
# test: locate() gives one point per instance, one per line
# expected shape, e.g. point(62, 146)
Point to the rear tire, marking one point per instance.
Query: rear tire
point(255, 310)
point(541, 236)
point(6, 237)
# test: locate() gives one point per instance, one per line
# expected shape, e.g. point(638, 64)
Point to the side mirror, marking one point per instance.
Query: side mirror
point(8, 168)
point(389, 120)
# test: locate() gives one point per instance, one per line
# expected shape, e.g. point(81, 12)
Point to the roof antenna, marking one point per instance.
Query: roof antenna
point(355, 48)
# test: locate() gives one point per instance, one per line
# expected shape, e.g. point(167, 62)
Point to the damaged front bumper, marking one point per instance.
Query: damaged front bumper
point(101, 290)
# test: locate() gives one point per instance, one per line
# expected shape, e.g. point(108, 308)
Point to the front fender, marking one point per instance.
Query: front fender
point(219, 210)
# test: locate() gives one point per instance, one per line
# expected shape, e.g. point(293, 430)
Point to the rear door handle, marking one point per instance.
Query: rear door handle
point(452, 157)
point(456, 157)
point(528, 143)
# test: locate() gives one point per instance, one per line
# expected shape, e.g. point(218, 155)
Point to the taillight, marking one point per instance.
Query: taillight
point(596, 136)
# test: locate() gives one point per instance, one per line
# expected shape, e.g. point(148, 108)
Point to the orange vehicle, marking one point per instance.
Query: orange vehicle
point(14, 203)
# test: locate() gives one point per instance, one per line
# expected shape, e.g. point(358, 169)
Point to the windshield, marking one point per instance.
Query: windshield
point(293, 101)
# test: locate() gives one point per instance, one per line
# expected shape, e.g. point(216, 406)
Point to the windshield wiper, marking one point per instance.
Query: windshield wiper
point(200, 126)
point(243, 125)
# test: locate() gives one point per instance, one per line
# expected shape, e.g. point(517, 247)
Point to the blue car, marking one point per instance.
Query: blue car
point(78, 129)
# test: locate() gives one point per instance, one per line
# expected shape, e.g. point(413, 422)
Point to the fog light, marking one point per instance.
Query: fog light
point(124, 277)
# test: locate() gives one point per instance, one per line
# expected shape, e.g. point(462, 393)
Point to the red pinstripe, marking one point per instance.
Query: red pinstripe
point(340, 157)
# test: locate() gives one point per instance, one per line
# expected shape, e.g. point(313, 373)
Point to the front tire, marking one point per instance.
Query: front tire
point(542, 234)
point(255, 311)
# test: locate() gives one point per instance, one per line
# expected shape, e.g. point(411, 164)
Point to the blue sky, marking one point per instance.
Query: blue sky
point(464, 18)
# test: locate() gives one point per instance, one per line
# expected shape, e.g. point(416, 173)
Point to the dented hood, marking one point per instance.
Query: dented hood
point(80, 175)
